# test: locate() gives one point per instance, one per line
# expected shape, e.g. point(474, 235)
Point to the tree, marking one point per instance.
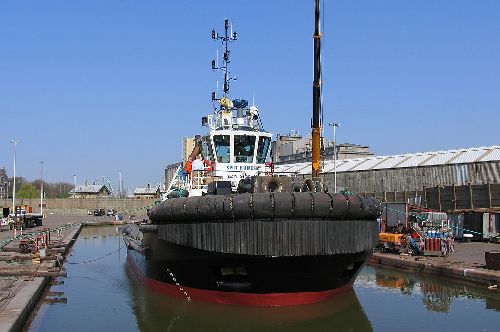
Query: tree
point(27, 190)
point(20, 181)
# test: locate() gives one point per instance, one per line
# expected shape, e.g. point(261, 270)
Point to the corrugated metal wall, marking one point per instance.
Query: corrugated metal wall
point(415, 178)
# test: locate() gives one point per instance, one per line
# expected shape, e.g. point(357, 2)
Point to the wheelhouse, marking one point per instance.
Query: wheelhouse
point(239, 153)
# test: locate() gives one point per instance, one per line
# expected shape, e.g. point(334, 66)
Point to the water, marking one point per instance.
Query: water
point(103, 296)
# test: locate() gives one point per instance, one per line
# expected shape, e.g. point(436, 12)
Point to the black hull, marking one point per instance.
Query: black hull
point(257, 249)
point(243, 279)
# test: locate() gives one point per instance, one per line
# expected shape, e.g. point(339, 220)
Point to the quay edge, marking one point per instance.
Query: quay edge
point(442, 268)
point(17, 312)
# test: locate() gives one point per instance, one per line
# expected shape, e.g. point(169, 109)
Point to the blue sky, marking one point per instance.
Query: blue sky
point(95, 87)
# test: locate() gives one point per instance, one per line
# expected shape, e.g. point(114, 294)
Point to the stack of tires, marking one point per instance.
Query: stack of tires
point(271, 206)
point(286, 184)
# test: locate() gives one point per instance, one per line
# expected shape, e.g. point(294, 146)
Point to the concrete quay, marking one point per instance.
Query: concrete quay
point(23, 282)
point(466, 263)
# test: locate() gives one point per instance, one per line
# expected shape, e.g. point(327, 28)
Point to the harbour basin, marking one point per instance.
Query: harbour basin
point(100, 293)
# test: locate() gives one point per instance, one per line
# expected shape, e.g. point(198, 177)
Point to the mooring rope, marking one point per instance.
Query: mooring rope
point(99, 258)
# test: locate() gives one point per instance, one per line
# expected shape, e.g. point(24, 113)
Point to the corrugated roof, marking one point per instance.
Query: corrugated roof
point(305, 170)
point(493, 155)
point(350, 163)
point(468, 156)
point(360, 165)
point(441, 158)
point(145, 191)
point(432, 158)
point(388, 162)
point(296, 167)
point(373, 162)
point(284, 167)
point(329, 167)
point(415, 159)
point(92, 188)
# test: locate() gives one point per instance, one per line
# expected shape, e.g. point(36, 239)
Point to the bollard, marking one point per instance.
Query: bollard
point(47, 232)
point(467, 238)
point(492, 259)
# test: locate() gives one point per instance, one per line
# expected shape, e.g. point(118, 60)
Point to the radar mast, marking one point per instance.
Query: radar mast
point(229, 36)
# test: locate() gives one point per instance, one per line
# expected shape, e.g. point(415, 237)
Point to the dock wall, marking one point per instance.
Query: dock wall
point(82, 203)
point(18, 310)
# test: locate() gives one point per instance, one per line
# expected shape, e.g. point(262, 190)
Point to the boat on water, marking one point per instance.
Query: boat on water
point(230, 230)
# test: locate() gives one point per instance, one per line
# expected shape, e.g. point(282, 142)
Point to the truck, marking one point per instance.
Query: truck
point(24, 217)
point(99, 212)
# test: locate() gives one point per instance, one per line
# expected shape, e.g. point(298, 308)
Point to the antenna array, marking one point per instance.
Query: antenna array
point(228, 36)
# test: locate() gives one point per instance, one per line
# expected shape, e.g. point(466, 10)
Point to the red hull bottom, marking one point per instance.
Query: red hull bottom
point(235, 298)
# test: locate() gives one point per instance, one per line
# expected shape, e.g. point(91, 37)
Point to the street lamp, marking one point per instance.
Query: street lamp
point(41, 188)
point(14, 141)
point(334, 125)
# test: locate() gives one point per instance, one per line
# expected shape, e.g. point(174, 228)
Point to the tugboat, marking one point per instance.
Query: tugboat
point(245, 235)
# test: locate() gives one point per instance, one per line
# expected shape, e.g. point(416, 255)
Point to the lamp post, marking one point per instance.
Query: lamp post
point(41, 187)
point(14, 141)
point(334, 125)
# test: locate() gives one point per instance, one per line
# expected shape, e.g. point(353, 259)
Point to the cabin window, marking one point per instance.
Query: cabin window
point(244, 146)
point(262, 149)
point(222, 148)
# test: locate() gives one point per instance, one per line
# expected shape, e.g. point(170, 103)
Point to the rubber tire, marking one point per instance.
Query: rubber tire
point(262, 206)
point(271, 185)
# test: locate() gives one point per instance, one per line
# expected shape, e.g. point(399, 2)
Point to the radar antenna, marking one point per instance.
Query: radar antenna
point(228, 36)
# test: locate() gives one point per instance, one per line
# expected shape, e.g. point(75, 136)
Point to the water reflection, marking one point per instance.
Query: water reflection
point(94, 232)
point(437, 294)
point(154, 311)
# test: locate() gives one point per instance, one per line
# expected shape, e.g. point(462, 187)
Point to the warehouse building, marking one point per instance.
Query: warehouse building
point(444, 180)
